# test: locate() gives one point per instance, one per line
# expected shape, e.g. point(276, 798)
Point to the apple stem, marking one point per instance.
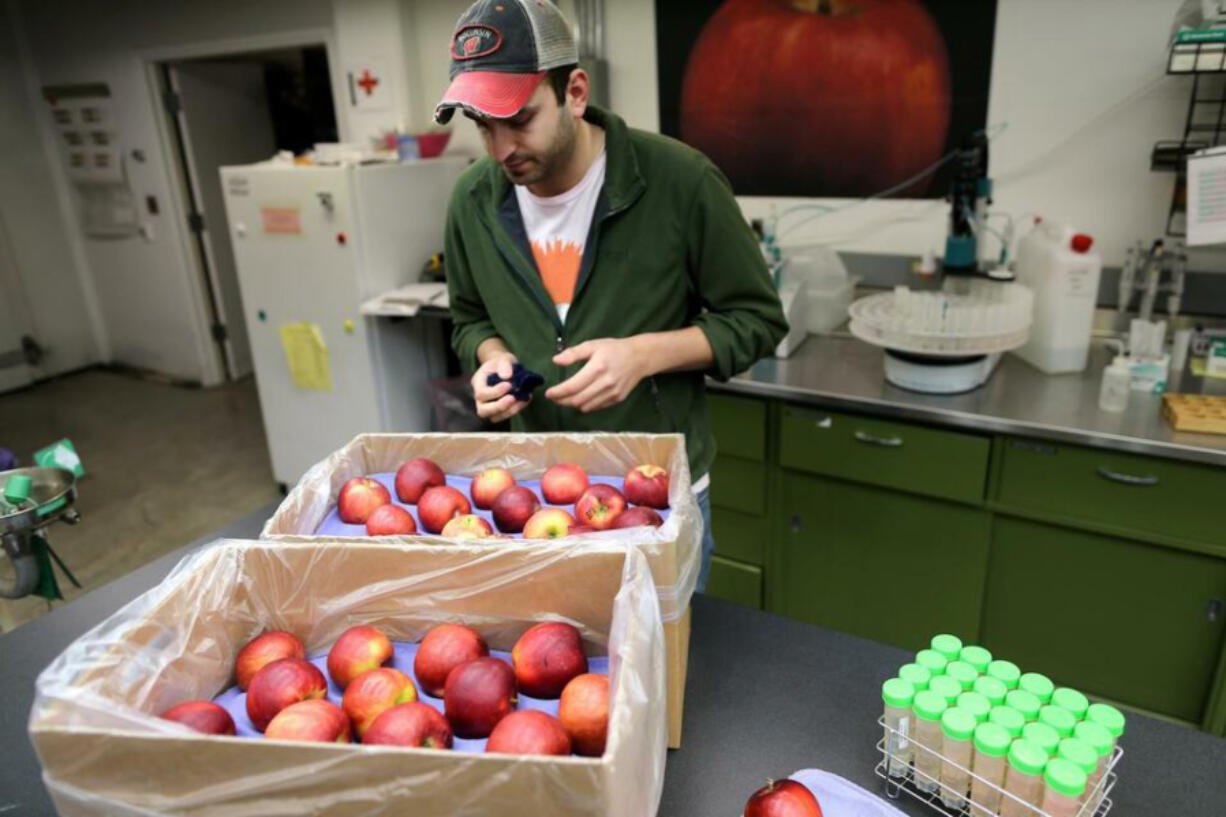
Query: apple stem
point(814, 6)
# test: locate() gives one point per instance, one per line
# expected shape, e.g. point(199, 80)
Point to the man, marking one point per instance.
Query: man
point(612, 261)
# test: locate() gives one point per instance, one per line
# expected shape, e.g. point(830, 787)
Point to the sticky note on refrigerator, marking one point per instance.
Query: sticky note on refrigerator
point(306, 354)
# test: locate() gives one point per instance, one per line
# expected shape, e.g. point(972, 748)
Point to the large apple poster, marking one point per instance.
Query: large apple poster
point(825, 97)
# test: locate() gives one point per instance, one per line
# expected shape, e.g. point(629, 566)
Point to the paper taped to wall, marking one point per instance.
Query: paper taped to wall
point(1207, 197)
point(306, 354)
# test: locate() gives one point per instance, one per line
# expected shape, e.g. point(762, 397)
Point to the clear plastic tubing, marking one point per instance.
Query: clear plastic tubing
point(898, 696)
point(928, 708)
point(1023, 779)
point(991, 745)
point(957, 729)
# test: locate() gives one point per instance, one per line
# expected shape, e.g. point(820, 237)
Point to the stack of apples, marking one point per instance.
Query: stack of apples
point(286, 695)
point(516, 509)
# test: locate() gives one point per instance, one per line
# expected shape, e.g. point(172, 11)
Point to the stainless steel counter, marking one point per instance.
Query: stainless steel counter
point(840, 372)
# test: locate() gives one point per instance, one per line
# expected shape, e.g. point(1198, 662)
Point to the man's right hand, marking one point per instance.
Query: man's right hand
point(496, 403)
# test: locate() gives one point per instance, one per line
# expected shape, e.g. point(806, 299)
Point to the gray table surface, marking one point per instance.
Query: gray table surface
point(765, 697)
point(840, 372)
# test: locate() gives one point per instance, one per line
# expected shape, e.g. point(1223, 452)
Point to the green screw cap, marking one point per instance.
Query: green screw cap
point(1108, 717)
point(975, 703)
point(1058, 718)
point(915, 675)
point(948, 646)
point(1006, 671)
point(991, 688)
point(1095, 735)
point(1080, 753)
point(929, 705)
point(1009, 718)
point(992, 739)
point(1042, 735)
point(963, 673)
point(1038, 685)
point(897, 693)
point(1065, 777)
point(977, 657)
point(958, 724)
point(932, 661)
point(1028, 758)
point(1024, 702)
point(17, 489)
point(946, 687)
point(1072, 700)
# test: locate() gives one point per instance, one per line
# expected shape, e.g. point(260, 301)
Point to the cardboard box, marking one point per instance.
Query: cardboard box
point(104, 751)
point(673, 550)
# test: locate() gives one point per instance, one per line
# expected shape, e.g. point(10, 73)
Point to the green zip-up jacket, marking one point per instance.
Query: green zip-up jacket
point(668, 248)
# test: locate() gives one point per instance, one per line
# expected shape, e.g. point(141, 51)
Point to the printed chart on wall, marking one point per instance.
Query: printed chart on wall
point(825, 97)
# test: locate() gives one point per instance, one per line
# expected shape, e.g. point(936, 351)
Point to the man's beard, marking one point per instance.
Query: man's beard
point(554, 158)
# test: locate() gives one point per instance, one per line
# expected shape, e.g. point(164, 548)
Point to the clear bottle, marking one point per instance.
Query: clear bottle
point(1043, 736)
point(957, 730)
point(898, 696)
point(1064, 783)
point(975, 703)
point(1083, 756)
point(932, 661)
point(963, 673)
point(1072, 700)
point(915, 675)
point(1023, 780)
point(991, 745)
point(1116, 385)
point(949, 646)
point(1038, 685)
point(991, 688)
point(1009, 718)
point(1024, 702)
point(946, 687)
point(1005, 671)
point(1098, 737)
point(1058, 718)
point(928, 708)
point(977, 657)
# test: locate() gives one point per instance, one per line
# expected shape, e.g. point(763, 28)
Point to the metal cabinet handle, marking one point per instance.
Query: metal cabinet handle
point(887, 442)
point(795, 524)
point(1127, 479)
point(1213, 610)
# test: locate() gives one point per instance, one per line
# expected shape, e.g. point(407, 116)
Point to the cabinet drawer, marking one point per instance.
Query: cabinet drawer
point(739, 425)
point(739, 536)
point(738, 485)
point(1127, 493)
point(735, 582)
point(945, 464)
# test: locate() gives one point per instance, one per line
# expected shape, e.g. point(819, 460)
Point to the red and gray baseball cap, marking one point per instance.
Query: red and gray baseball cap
point(500, 52)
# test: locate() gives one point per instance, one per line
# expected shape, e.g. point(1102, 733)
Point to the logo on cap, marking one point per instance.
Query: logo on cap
point(474, 41)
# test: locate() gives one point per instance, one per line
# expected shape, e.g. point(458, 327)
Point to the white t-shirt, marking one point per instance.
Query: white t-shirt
point(557, 229)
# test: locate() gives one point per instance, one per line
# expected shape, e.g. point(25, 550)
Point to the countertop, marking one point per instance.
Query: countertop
point(765, 697)
point(841, 372)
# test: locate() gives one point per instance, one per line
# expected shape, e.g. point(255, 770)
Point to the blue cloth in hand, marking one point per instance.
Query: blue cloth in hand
point(523, 381)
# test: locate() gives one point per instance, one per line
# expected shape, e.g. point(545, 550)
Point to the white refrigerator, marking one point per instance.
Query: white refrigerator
point(311, 243)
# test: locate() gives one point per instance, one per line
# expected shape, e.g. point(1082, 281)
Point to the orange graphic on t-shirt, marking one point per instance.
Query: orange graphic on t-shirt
point(558, 262)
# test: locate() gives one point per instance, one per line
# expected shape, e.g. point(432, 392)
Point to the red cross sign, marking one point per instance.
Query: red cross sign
point(367, 82)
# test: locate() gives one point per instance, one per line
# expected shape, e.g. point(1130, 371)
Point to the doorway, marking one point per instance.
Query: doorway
point(232, 110)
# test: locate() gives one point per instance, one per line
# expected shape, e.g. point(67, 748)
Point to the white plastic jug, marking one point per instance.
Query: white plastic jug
point(1058, 265)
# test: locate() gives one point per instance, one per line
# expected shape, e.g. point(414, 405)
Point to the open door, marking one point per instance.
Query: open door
point(15, 325)
point(220, 109)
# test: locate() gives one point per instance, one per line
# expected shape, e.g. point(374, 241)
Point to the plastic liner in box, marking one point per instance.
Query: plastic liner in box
point(104, 751)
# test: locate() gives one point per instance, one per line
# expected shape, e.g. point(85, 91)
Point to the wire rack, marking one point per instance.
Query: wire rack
point(900, 775)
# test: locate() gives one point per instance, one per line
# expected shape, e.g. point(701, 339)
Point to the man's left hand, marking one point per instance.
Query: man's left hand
point(614, 367)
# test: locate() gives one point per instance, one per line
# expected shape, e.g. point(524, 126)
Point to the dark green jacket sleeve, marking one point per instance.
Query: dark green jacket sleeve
point(742, 317)
point(471, 322)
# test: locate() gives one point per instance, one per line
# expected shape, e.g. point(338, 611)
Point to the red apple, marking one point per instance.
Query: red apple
point(358, 650)
point(390, 520)
point(412, 724)
point(814, 100)
point(782, 798)
point(415, 476)
point(374, 692)
point(358, 499)
point(548, 523)
point(487, 485)
point(315, 720)
point(513, 507)
point(469, 526)
point(203, 716)
point(563, 484)
point(440, 504)
point(443, 649)
point(477, 695)
point(279, 684)
point(547, 657)
point(529, 732)
point(584, 713)
point(264, 649)
point(647, 485)
point(599, 506)
point(634, 517)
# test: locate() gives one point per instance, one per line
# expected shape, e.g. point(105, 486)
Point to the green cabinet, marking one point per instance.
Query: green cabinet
point(881, 564)
point(740, 536)
point(1136, 623)
point(735, 582)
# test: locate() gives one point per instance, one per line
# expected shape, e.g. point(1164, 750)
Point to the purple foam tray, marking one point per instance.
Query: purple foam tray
point(333, 526)
point(234, 700)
